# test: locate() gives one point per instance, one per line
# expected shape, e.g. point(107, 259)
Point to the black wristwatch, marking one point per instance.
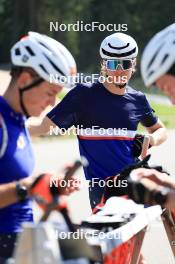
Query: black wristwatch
point(21, 191)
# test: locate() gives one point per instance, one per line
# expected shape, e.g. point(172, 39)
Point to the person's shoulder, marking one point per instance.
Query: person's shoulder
point(3, 135)
point(1, 130)
point(0, 134)
point(78, 93)
point(133, 91)
point(84, 88)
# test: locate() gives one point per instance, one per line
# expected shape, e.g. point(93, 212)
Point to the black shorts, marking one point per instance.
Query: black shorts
point(7, 245)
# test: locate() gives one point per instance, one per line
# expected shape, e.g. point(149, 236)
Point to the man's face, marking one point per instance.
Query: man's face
point(37, 99)
point(119, 75)
point(166, 84)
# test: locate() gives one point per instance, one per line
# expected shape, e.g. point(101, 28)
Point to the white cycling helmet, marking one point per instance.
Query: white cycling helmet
point(159, 55)
point(118, 46)
point(46, 56)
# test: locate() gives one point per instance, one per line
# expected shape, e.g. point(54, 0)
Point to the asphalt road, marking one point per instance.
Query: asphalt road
point(54, 154)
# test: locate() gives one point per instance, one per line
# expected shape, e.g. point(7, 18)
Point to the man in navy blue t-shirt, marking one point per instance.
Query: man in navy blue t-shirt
point(107, 114)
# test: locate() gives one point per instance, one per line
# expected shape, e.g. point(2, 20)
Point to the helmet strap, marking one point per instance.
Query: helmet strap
point(24, 89)
point(172, 70)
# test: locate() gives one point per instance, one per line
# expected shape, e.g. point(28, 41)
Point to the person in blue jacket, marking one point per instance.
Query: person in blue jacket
point(34, 58)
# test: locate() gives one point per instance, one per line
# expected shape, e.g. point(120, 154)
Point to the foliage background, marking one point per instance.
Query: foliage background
point(143, 18)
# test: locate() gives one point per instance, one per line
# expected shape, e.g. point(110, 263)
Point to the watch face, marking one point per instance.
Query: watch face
point(21, 191)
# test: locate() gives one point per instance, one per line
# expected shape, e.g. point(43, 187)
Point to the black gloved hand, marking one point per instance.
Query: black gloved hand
point(120, 187)
point(146, 192)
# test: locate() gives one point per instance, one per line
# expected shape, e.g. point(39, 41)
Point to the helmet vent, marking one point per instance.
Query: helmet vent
point(17, 52)
point(30, 51)
point(43, 68)
point(164, 58)
point(118, 48)
point(119, 55)
point(25, 58)
point(54, 65)
point(150, 73)
point(44, 45)
point(154, 57)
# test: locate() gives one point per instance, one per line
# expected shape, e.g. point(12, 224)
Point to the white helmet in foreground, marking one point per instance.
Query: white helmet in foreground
point(46, 56)
point(159, 55)
point(118, 46)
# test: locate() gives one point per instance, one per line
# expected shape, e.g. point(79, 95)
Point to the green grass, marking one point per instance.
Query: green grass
point(61, 95)
point(165, 110)
point(166, 113)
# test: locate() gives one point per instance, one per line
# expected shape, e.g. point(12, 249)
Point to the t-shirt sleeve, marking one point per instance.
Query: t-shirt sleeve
point(65, 113)
point(148, 117)
point(0, 139)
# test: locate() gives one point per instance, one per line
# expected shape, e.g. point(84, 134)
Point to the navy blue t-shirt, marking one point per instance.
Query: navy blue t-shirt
point(16, 162)
point(107, 125)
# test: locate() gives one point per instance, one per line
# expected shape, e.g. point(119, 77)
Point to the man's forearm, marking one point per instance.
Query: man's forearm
point(8, 192)
point(158, 137)
point(36, 130)
point(171, 200)
point(169, 182)
point(42, 128)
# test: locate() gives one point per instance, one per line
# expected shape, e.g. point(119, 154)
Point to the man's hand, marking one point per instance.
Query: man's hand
point(147, 192)
point(138, 144)
point(42, 128)
point(45, 187)
point(69, 186)
point(157, 177)
point(149, 186)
